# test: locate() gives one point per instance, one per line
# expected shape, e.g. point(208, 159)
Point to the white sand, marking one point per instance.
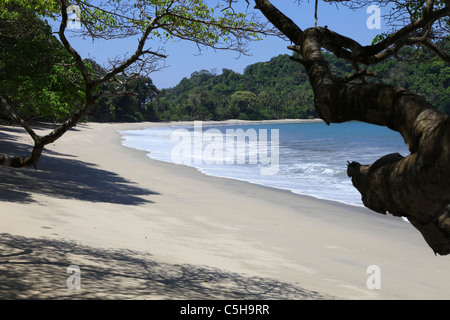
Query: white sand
point(144, 229)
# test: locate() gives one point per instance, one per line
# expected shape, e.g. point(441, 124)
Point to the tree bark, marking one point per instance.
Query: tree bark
point(416, 186)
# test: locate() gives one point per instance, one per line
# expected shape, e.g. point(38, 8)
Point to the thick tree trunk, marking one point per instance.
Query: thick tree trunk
point(416, 186)
point(39, 141)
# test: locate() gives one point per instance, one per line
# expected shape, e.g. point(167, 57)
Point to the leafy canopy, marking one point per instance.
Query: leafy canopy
point(42, 78)
point(34, 67)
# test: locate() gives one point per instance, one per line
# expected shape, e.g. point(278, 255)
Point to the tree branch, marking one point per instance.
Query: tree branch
point(415, 186)
point(280, 21)
point(9, 111)
point(137, 54)
point(78, 60)
point(439, 52)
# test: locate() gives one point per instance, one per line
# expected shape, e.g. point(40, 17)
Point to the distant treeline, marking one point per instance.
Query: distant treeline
point(276, 89)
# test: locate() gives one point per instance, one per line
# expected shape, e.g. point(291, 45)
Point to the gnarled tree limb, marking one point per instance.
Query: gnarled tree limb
point(416, 186)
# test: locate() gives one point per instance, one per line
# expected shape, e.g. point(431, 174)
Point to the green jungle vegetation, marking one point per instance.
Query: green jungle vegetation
point(276, 89)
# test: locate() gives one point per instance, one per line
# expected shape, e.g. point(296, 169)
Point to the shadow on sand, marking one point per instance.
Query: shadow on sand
point(33, 268)
point(36, 268)
point(62, 176)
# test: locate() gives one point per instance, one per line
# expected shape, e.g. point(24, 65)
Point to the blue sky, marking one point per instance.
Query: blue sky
point(184, 59)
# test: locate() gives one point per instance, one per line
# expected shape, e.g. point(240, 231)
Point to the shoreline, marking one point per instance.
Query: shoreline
point(243, 122)
point(146, 229)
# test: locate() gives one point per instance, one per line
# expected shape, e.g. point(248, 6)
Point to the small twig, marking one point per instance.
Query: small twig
point(357, 75)
point(315, 14)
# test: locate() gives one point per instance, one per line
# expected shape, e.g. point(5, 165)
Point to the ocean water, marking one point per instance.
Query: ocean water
point(305, 158)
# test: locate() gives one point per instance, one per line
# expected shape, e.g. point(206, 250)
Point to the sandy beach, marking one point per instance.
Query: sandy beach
point(143, 229)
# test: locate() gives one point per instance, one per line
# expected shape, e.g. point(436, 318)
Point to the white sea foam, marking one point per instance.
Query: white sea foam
point(312, 156)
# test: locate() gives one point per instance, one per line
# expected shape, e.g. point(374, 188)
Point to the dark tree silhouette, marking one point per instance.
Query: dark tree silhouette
point(416, 186)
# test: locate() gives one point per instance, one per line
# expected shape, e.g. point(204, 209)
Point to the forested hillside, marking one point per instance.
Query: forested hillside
point(275, 89)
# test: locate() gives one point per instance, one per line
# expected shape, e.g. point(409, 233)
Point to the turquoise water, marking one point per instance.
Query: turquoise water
point(305, 158)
